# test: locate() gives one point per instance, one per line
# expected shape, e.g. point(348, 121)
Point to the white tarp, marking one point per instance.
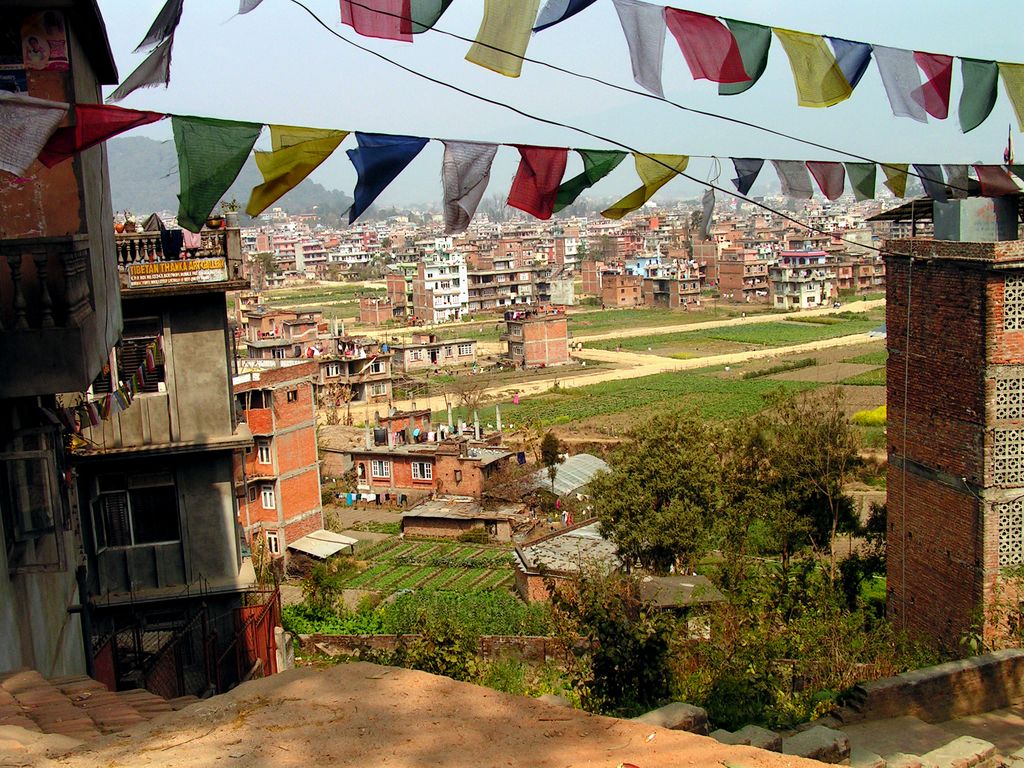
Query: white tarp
point(322, 543)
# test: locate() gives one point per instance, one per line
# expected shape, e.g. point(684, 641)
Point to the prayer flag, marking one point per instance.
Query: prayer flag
point(93, 123)
point(852, 57)
point(819, 80)
point(896, 178)
point(995, 181)
point(503, 35)
point(106, 407)
point(655, 171)
point(862, 179)
point(557, 11)
point(424, 14)
point(957, 180)
point(747, 169)
point(1013, 82)
point(831, 178)
point(210, 154)
point(465, 171)
point(163, 25)
point(244, 6)
point(707, 213)
point(795, 180)
point(753, 41)
point(378, 18)
point(933, 95)
point(297, 152)
point(378, 160)
point(154, 70)
point(26, 124)
point(707, 44)
point(597, 163)
point(979, 92)
point(536, 184)
point(150, 359)
point(901, 79)
point(932, 181)
point(93, 414)
point(643, 24)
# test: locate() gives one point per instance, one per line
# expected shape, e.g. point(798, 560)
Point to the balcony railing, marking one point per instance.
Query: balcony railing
point(142, 262)
point(44, 282)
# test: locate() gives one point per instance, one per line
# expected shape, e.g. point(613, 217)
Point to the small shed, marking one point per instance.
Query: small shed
point(452, 516)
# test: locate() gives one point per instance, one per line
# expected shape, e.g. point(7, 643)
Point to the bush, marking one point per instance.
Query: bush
point(792, 365)
point(475, 536)
point(870, 418)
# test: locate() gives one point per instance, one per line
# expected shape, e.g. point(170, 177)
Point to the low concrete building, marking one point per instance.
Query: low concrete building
point(561, 555)
point(426, 350)
point(621, 291)
point(452, 516)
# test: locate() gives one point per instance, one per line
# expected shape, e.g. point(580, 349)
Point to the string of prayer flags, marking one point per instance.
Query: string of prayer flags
point(979, 92)
point(655, 171)
point(831, 178)
point(747, 169)
point(378, 160)
point(377, 18)
point(901, 79)
point(536, 183)
point(1013, 82)
point(296, 153)
point(795, 180)
point(94, 123)
point(995, 181)
point(956, 178)
point(424, 14)
point(708, 46)
point(154, 70)
point(934, 92)
point(465, 171)
point(211, 153)
point(26, 124)
point(754, 41)
point(852, 57)
point(597, 163)
point(557, 11)
point(819, 80)
point(862, 179)
point(896, 178)
point(504, 35)
point(643, 24)
point(933, 182)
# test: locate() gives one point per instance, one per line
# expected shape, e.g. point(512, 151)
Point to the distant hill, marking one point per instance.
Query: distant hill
point(144, 178)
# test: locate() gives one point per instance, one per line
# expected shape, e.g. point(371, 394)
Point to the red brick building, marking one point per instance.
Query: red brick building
point(278, 480)
point(621, 290)
point(955, 392)
point(743, 276)
point(374, 310)
point(537, 339)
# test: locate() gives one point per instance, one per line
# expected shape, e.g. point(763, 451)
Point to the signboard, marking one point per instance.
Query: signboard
point(177, 272)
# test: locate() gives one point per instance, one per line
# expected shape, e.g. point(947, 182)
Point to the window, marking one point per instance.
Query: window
point(267, 493)
point(449, 351)
point(273, 543)
point(31, 504)
point(380, 468)
point(279, 353)
point(422, 470)
point(378, 366)
point(378, 390)
point(135, 510)
point(293, 395)
point(263, 451)
point(253, 492)
point(465, 349)
point(416, 354)
point(333, 369)
point(131, 352)
point(518, 350)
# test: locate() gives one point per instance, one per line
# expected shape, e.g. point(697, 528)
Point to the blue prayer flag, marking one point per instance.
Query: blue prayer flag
point(747, 169)
point(378, 160)
point(852, 57)
point(557, 11)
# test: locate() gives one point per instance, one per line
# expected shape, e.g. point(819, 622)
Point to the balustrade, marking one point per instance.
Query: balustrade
point(46, 284)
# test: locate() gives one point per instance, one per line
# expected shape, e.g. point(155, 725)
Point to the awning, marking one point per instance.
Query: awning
point(322, 543)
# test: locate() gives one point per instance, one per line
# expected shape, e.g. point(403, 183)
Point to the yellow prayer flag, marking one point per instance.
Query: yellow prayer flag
point(896, 178)
point(819, 80)
point(296, 153)
point(655, 171)
point(1013, 82)
point(503, 35)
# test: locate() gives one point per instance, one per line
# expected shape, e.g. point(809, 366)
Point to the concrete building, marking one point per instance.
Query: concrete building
point(376, 310)
point(441, 288)
point(621, 291)
point(453, 516)
point(424, 351)
point(743, 276)
point(536, 339)
point(671, 291)
point(802, 280)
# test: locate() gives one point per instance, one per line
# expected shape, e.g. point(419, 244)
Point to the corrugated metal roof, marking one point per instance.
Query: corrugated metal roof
point(572, 474)
point(322, 543)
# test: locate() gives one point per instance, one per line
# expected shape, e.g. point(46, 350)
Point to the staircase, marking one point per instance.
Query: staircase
point(76, 706)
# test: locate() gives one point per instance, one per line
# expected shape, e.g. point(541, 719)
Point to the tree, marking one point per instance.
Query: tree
point(551, 455)
point(469, 392)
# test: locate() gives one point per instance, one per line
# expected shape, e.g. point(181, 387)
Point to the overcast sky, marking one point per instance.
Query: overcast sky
point(277, 65)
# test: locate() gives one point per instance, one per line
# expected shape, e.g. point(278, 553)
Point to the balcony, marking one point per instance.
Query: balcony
point(143, 267)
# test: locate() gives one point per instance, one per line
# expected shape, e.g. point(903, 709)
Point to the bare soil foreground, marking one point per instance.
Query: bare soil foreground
point(366, 715)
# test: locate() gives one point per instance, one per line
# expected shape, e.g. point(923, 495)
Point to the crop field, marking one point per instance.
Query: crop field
point(877, 357)
point(397, 564)
point(608, 320)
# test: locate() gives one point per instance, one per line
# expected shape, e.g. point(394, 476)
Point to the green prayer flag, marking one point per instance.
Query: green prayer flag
point(979, 93)
point(754, 41)
point(424, 14)
point(862, 179)
point(210, 154)
point(597, 163)
point(896, 178)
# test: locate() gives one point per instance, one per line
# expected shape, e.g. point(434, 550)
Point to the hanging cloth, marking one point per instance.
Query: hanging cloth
point(754, 41)
point(852, 57)
point(296, 153)
point(378, 160)
point(862, 179)
point(597, 163)
point(957, 180)
point(932, 181)
point(1013, 82)
point(901, 79)
point(933, 94)
point(171, 243)
point(708, 46)
point(707, 213)
point(424, 14)
point(979, 92)
point(655, 171)
point(210, 155)
point(94, 123)
point(163, 25)
point(504, 35)
point(747, 169)
point(465, 171)
point(995, 181)
point(536, 184)
point(896, 178)
point(244, 6)
point(26, 124)
point(154, 70)
point(819, 80)
point(831, 178)
point(382, 19)
point(557, 11)
point(795, 180)
point(643, 24)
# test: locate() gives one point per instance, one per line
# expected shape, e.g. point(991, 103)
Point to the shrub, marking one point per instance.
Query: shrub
point(792, 365)
point(475, 536)
point(874, 417)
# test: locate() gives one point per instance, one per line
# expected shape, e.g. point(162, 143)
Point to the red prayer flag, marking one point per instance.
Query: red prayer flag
point(831, 178)
point(378, 18)
point(536, 184)
point(933, 95)
point(708, 46)
point(93, 123)
point(995, 181)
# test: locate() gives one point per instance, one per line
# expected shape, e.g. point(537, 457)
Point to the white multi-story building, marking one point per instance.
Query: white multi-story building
point(802, 280)
point(441, 288)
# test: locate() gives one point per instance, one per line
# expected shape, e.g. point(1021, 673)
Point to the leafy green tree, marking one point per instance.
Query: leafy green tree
point(551, 455)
